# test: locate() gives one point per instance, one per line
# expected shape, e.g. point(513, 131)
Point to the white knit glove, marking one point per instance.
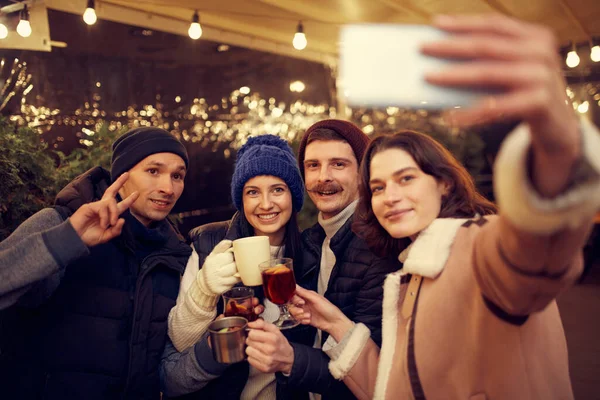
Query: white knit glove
point(219, 272)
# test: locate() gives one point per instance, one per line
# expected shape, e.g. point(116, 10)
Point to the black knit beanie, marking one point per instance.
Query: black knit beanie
point(137, 144)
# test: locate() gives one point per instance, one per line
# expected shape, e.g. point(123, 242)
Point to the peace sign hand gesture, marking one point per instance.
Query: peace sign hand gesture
point(99, 222)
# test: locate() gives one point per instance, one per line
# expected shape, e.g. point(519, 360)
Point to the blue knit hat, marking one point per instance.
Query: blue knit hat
point(267, 155)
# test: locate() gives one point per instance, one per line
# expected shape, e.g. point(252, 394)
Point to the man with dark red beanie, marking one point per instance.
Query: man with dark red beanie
point(336, 261)
point(86, 286)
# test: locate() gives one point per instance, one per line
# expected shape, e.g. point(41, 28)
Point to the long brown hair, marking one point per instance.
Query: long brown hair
point(462, 201)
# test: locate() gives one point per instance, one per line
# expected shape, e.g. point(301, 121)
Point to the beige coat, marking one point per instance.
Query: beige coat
point(473, 313)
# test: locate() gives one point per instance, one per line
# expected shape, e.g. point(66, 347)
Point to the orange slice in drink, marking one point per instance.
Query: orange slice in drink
point(279, 269)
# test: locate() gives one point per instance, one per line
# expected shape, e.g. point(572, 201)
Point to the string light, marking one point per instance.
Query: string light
point(89, 16)
point(300, 41)
point(572, 58)
point(195, 30)
point(297, 87)
point(24, 27)
point(3, 31)
point(595, 53)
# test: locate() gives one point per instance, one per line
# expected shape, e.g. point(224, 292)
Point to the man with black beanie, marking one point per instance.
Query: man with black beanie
point(86, 286)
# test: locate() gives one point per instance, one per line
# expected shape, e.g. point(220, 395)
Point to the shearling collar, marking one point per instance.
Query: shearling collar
point(427, 255)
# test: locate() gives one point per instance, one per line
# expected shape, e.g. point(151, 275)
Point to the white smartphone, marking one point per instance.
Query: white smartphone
point(381, 65)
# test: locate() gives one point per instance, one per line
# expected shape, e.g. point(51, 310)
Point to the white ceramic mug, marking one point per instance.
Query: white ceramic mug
point(248, 253)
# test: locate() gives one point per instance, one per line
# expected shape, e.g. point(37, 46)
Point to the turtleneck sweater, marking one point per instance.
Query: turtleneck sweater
point(331, 226)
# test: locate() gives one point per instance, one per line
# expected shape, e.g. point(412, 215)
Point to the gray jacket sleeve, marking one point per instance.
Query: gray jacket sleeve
point(190, 370)
point(34, 256)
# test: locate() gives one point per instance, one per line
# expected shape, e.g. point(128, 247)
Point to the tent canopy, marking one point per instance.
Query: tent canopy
point(270, 24)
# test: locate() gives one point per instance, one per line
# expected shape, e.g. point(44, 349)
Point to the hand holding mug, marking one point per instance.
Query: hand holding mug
point(218, 274)
point(258, 308)
point(268, 350)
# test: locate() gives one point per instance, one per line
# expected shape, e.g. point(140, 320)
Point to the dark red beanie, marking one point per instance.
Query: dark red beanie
point(350, 132)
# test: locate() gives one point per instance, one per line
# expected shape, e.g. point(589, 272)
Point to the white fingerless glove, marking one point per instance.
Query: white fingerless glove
point(218, 274)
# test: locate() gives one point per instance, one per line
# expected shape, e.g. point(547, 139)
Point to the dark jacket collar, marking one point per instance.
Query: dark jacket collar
point(86, 188)
point(315, 236)
point(234, 230)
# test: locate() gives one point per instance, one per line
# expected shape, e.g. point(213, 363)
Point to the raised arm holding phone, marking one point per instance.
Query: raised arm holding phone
point(473, 312)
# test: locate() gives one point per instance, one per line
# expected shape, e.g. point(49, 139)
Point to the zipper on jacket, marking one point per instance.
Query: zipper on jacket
point(144, 271)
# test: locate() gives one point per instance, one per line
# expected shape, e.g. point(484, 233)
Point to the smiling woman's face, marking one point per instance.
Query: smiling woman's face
point(405, 200)
point(268, 206)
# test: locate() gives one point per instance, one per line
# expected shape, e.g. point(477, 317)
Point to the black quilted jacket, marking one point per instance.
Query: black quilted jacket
point(355, 286)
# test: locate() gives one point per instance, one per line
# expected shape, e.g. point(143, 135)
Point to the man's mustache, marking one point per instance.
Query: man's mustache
point(325, 187)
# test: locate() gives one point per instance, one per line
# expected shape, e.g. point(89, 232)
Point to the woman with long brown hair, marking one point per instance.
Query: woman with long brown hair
point(472, 314)
point(461, 199)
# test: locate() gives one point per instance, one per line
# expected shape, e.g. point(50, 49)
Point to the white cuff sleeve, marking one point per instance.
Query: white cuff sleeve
point(524, 207)
point(352, 347)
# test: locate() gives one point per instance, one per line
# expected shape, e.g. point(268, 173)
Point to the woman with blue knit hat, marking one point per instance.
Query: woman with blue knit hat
point(267, 191)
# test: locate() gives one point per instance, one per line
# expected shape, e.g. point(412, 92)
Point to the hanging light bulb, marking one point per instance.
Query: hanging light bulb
point(195, 30)
point(300, 41)
point(595, 53)
point(572, 58)
point(297, 86)
point(3, 31)
point(24, 27)
point(89, 16)
point(583, 107)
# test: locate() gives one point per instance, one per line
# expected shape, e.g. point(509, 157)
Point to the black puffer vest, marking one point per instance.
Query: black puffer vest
point(353, 263)
point(102, 332)
point(355, 287)
point(230, 385)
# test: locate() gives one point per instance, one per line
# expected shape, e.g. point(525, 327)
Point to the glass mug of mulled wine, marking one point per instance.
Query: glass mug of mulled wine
point(238, 303)
point(279, 285)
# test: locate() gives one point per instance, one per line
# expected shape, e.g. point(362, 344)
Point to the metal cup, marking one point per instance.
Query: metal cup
point(229, 347)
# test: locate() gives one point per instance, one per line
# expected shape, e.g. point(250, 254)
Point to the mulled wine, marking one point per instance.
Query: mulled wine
point(279, 284)
point(238, 303)
point(235, 309)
